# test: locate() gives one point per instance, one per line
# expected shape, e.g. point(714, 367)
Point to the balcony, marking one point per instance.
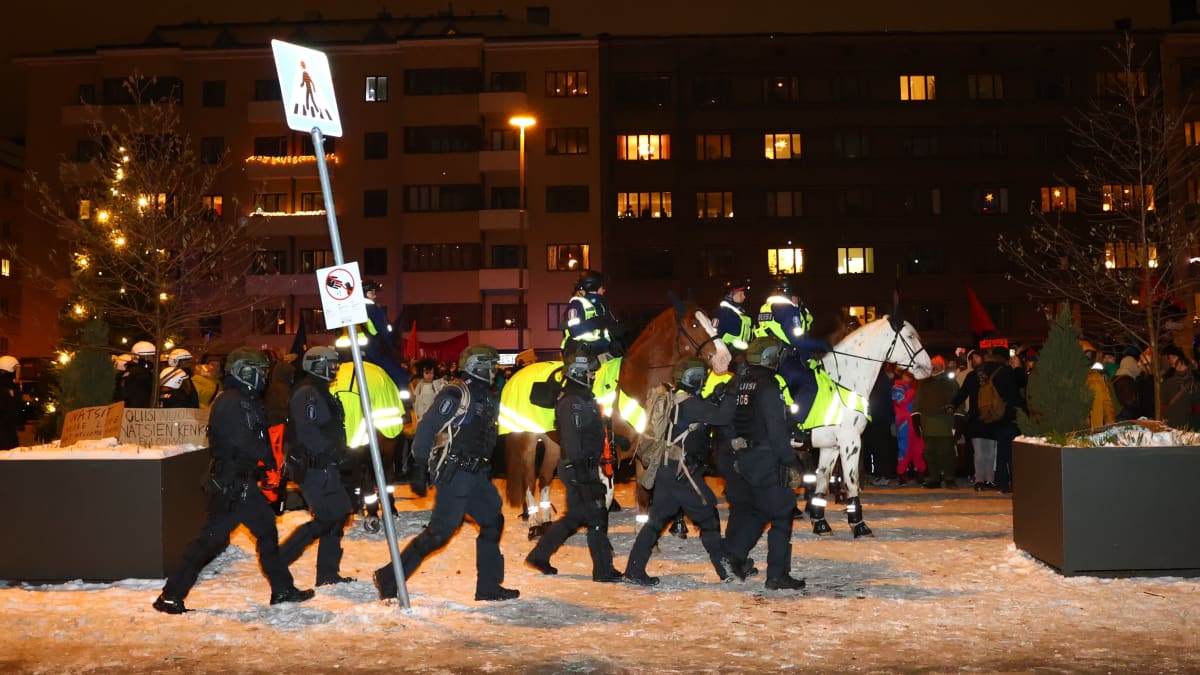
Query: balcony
point(265, 167)
point(499, 160)
point(499, 279)
point(300, 224)
point(506, 102)
point(281, 284)
point(500, 219)
point(264, 112)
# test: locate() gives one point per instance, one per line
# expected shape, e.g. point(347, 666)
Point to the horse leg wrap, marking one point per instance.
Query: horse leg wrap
point(816, 506)
point(854, 511)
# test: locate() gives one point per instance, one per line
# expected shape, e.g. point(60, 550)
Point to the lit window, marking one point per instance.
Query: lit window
point(1121, 83)
point(566, 83)
point(377, 88)
point(918, 88)
point(1126, 197)
point(988, 87)
point(1058, 198)
point(1193, 191)
point(5, 267)
point(1128, 255)
point(860, 314)
point(1191, 133)
point(85, 209)
point(856, 261)
point(644, 146)
point(566, 257)
point(990, 201)
point(785, 260)
point(214, 204)
point(643, 204)
point(713, 146)
point(714, 204)
point(781, 146)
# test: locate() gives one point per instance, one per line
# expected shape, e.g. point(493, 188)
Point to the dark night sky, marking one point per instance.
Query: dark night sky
point(34, 27)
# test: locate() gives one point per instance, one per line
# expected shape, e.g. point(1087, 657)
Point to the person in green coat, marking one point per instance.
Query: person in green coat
point(933, 420)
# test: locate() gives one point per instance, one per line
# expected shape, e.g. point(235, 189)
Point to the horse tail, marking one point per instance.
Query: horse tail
point(514, 483)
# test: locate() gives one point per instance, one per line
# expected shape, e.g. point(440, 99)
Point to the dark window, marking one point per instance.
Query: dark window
point(849, 87)
point(561, 83)
point(1051, 145)
point(441, 257)
point(507, 81)
point(1052, 87)
point(926, 260)
point(86, 94)
point(785, 204)
point(987, 143)
point(566, 199)
point(1189, 76)
point(375, 145)
point(270, 202)
point(85, 151)
point(855, 202)
point(506, 256)
point(443, 316)
point(374, 203)
point(268, 262)
point(270, 321)
point(312, 201)
point(442, 81)
point(116, 91)
point(643, 89)
point(649, 263)
point(781, 89)
point(714, 146)
point(567, 141)
point(212, 149)
point(1001, 314)
point(851, 144)
point(989, 201)
point(306, 145)
point(506, 198)
point(418, 198)
point(463, 138)
point(717, 263)
point(210, 326)
point(713, 91)
point(271, 146)
point(313, 260)
point(508, 316)
point(922, 144)
point(930, 316)
point(212, 93)
point(375, 261)
point(267, 90)
point(314, 320)
point(504, 138)
point(556, 315)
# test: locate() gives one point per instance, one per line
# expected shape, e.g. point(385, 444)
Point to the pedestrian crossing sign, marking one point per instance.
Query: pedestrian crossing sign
point(307, 88)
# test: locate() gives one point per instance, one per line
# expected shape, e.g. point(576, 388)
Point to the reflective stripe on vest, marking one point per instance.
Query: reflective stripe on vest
point(831, 403)
point(767, 325)
point(589, 313)
point(742, 339)
point(387, 410)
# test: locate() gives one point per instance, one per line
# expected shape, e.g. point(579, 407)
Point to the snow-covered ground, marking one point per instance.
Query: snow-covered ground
point(940, 589)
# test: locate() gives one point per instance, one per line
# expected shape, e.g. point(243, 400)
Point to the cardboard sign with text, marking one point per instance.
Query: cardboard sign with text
point(165, 426)
point(85, 424)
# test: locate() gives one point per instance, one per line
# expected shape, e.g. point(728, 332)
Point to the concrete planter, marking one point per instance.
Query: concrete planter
point(1108, 511)
point(99, 519)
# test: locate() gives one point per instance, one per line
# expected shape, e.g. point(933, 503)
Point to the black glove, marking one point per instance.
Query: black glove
point(718, 393)
point(420, 479)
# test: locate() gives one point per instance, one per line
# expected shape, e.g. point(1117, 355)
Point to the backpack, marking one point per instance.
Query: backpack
point(991, 405)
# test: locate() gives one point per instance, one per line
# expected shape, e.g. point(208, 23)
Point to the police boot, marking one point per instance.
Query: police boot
point(168, 605)
point(679, 527)
point(816, 508)
point(855, 518)
point(292, 594)
point(498, 594)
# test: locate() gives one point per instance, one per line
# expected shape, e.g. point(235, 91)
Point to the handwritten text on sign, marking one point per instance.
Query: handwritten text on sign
point(102, 421)
point(165, 426)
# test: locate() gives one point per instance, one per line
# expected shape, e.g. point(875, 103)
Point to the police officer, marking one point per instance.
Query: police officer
point(316, 444)
point(237, 437)
point(581, 435)
point(464, 414)
point(679, 481)
point(137, 385)
point(783, 317)
point(762, 457)
point(12, 408)
point(733, 324)
point(381, 343)
point(588, 321)
point(175, 381)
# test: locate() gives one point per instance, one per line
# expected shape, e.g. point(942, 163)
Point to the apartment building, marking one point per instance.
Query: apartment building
point(17, 327)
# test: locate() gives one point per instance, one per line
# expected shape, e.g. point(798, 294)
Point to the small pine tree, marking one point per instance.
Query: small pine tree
point(1059, 399)
point(88, 379)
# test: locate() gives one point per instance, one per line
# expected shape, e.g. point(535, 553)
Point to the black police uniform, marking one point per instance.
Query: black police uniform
point(183, 397)
point(674, 490)
point(317, 443)
point(138, 386)
point(465, 487)
point(581, 435)
point(238, 441)
point(760, 424)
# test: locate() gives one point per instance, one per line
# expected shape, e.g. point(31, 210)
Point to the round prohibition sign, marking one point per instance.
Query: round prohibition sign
point(339, 284)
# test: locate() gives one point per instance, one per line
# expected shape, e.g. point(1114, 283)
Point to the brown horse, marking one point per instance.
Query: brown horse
point(622, 387)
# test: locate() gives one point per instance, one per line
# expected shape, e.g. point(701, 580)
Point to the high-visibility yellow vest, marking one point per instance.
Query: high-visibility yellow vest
point(589, 313)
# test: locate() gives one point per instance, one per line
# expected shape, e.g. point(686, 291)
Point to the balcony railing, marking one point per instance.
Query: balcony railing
point(260, 167)
point(296, 224)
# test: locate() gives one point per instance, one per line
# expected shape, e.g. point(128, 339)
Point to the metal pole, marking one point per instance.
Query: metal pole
point(335, 239)
point(522, 257)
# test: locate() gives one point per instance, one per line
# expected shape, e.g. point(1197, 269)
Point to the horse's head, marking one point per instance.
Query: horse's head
point(906, 350)
point(696, 334)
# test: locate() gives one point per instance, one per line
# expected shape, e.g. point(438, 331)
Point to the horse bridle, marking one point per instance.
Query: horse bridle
point(698, 346)
point(912, 355)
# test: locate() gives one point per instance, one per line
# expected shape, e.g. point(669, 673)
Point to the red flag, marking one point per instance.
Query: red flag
point(981, 323)
point(412, 348)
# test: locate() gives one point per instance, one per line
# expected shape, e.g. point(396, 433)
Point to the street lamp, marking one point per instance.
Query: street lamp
point(521, 121)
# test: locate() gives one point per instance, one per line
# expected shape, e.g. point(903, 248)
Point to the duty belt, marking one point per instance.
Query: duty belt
point(469, 463)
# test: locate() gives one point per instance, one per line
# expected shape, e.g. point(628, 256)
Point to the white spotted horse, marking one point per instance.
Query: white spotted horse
point(622, 387)
point(839, 413)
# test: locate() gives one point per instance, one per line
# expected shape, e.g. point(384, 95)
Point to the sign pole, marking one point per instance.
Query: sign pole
point(389, 527)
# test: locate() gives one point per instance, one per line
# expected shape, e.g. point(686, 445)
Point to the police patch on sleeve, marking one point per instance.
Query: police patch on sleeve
point(311, 410)
point(447, 406)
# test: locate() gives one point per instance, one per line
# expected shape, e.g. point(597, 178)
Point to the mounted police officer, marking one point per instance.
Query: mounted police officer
point(316, 437)
point(237, 436)
point(381, 342)
point(581, 435)
point(679, 475)
point(733, 324)
point(462, 425)
point(783, 317)
point(588, 321)
point(762, 456)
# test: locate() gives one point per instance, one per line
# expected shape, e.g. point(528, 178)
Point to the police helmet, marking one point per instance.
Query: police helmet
point(143, 349)
point(179, 357)
point(765, 352)
point(735, 286)
point(589, 281)
point(172, 378)
point(248, 366)
point(581, 367)
point(9, 364)
point(321, 361)
point(122, 360)
point(689, 374)
point(369, 285)
point(479, 362)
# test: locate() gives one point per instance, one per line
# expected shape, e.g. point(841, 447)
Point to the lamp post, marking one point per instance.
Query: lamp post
point(521, 121)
